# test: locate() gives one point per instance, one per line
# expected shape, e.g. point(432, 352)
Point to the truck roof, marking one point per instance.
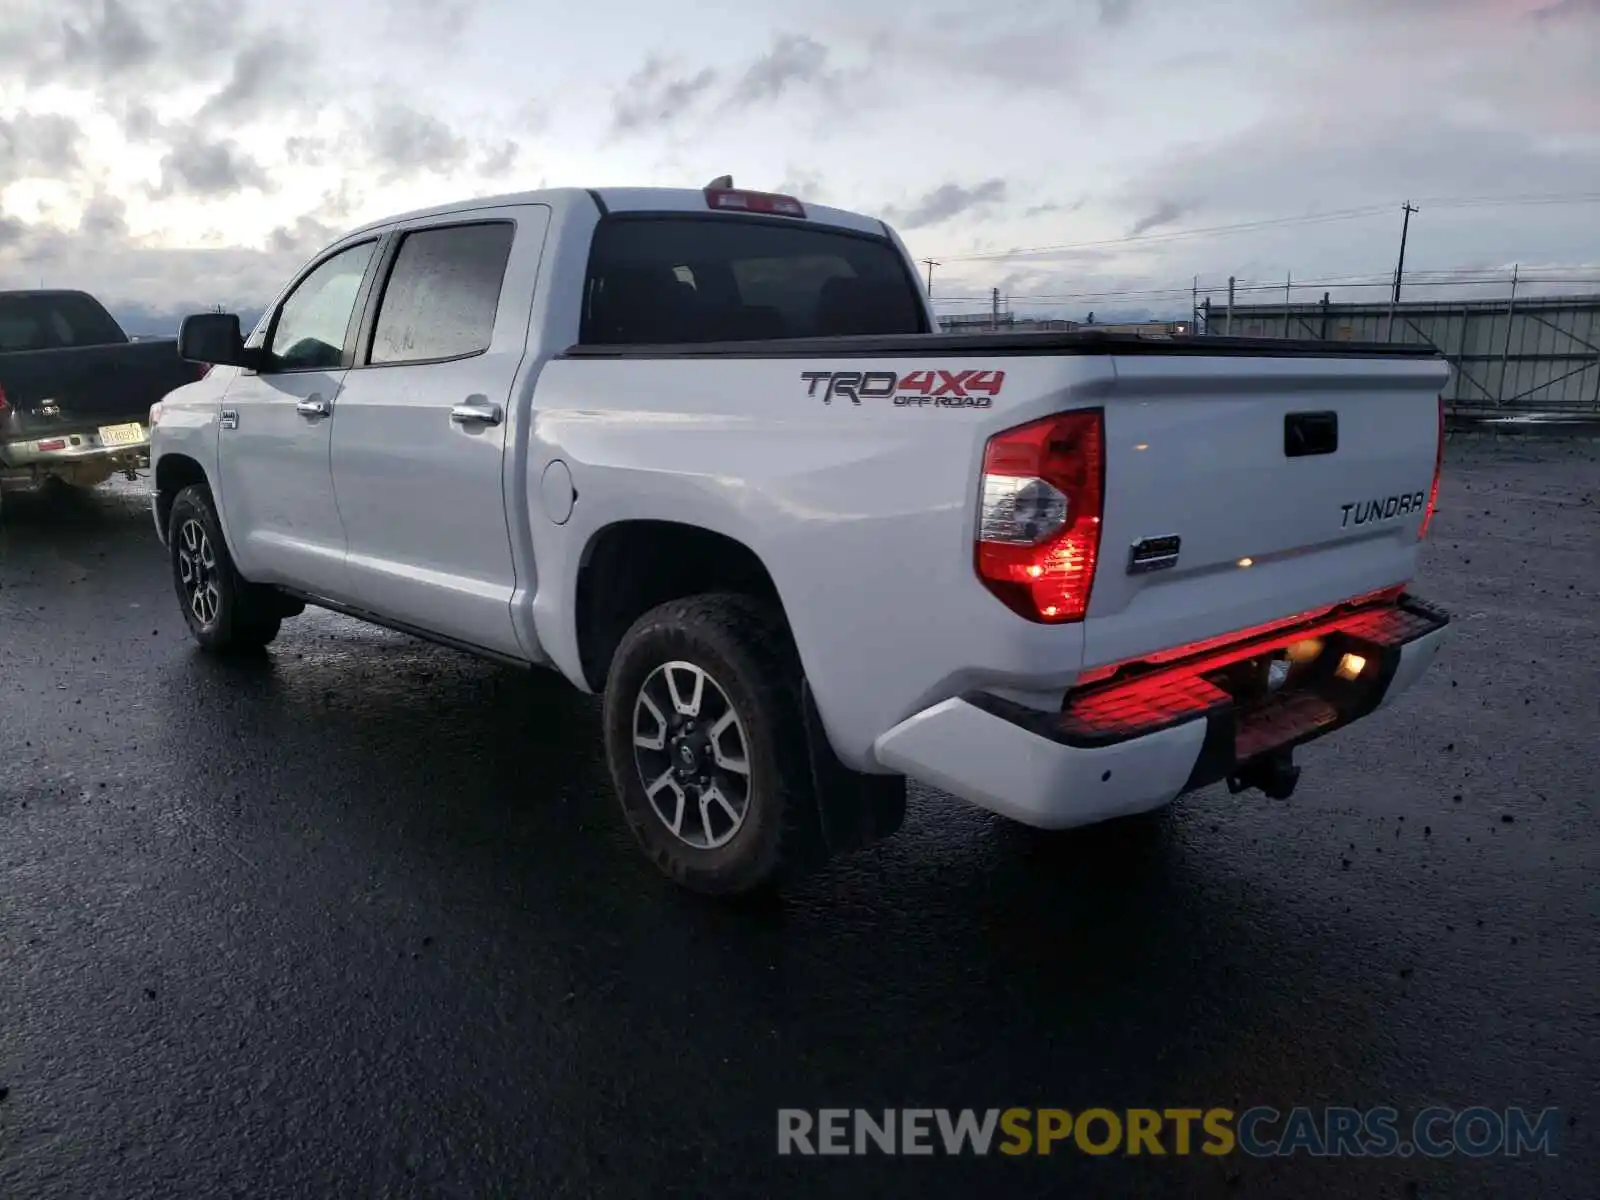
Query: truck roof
point(622, 199)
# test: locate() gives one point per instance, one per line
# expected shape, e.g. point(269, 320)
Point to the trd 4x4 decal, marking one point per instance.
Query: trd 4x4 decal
point(936, 388)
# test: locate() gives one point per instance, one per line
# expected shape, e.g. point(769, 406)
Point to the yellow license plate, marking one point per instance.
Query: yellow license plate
point(130, 434)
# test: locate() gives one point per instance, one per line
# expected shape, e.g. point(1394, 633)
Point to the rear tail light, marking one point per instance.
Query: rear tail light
point(4, 403)
point(769, 203)
point(1040, 506)
point(205, 370)
point(1438, 468)
point(155, 414)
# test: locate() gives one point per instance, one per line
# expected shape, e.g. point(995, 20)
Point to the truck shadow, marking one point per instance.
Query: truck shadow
point(964, 956)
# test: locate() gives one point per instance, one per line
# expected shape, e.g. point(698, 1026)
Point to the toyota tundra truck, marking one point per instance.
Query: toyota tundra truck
point(705, 452)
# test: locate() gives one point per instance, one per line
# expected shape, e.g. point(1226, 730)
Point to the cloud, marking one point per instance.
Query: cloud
point(267, 77)
point(1054, 206)
point(401, 141)
point(140, 123)
point(1045, 47)
point(1164, 213)
point(107, 41)
point(794, 59)
point(304, 151)
point(499, 160)
point(660, 93)
point(305, 237)
point(200, 166)
point(110, 46)
point(656, 96)
point(946, 201)
point(38, 146)
point(1114, 13)
point(104, 217)
point(805, 185)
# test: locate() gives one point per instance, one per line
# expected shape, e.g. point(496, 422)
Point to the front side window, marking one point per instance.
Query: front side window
point(312, 322)
point(442, 294)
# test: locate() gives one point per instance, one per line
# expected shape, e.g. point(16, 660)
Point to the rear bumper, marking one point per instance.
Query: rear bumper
point(72, 451)
point(1138, 741)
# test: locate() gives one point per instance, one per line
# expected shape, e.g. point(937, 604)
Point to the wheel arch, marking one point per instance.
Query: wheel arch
point(173, 473)
point(630, 567)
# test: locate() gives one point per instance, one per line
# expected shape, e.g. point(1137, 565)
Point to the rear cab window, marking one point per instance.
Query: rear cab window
point(443, 294)
point(54, 321)
point(663, 279)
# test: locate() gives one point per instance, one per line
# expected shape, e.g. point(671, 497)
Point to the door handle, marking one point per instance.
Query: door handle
point(230, 418)
point(476, 414)
point(312, 406)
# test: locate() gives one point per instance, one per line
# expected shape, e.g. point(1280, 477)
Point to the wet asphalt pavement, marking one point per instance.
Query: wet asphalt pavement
point(362, 919)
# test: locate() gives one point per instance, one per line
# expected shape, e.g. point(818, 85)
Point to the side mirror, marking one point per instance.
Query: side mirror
point(214, 338)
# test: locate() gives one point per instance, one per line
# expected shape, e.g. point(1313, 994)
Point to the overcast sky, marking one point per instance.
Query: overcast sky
point(187, 154)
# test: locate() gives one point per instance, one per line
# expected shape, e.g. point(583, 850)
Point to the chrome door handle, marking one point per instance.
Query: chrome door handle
point(476, 414)
point(313, 406)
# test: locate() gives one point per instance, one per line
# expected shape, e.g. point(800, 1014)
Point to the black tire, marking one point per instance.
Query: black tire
point(743, 648)
point(233, 614)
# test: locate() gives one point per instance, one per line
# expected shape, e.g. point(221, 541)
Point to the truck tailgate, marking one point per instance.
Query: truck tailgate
point(79, 388)
point(1241, 490)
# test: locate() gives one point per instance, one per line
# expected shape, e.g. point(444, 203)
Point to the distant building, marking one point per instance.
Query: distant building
point(1147, 328)
point(986, 322)
point(1523, 353)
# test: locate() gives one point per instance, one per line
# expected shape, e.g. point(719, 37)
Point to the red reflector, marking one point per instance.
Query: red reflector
point(54, 444)
point(756, 202)
point(1040, 505)
point(4, 403)
point(1438, 468)
point(1302, 624)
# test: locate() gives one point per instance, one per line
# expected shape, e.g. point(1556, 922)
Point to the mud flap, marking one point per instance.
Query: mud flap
point(854, 809)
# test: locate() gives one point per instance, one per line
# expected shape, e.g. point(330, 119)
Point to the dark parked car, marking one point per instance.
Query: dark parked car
point(75, 391)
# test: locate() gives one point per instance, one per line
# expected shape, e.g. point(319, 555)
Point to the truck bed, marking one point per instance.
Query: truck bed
point(985, 345)
point(79, 388)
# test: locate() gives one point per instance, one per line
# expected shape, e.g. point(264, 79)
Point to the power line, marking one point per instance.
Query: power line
point(1349, 214)
point(1370, 283)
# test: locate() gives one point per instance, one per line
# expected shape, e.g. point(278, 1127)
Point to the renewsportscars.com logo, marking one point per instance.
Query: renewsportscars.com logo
point(1260, 1132)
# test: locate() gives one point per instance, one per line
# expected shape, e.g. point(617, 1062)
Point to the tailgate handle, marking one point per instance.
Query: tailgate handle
point(1309, 433)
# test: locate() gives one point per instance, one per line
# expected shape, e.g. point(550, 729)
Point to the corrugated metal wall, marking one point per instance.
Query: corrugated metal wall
point(1535, 355)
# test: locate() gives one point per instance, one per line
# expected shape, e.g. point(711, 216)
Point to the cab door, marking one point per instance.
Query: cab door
point(276, 432)
point(425, 420)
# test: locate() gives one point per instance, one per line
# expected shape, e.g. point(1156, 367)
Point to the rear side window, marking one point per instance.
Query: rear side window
point(675, 279)
point(53, 321)
point(443, 293)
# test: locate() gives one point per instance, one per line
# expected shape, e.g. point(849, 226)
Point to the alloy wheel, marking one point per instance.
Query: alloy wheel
point(197, 572)
point(692, 755)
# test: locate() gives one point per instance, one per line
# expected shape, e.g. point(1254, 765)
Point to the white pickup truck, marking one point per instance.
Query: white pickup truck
point(705, 451)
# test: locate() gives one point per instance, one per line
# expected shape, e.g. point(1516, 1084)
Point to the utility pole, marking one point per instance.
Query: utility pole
point(1400, 266)
point(1505, 349)
point(1194, 305)
point(1228, 329)
point(930, 264)
point(994, 308)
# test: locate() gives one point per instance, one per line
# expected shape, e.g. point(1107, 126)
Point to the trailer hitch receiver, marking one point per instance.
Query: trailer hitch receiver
point(1274, 775)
